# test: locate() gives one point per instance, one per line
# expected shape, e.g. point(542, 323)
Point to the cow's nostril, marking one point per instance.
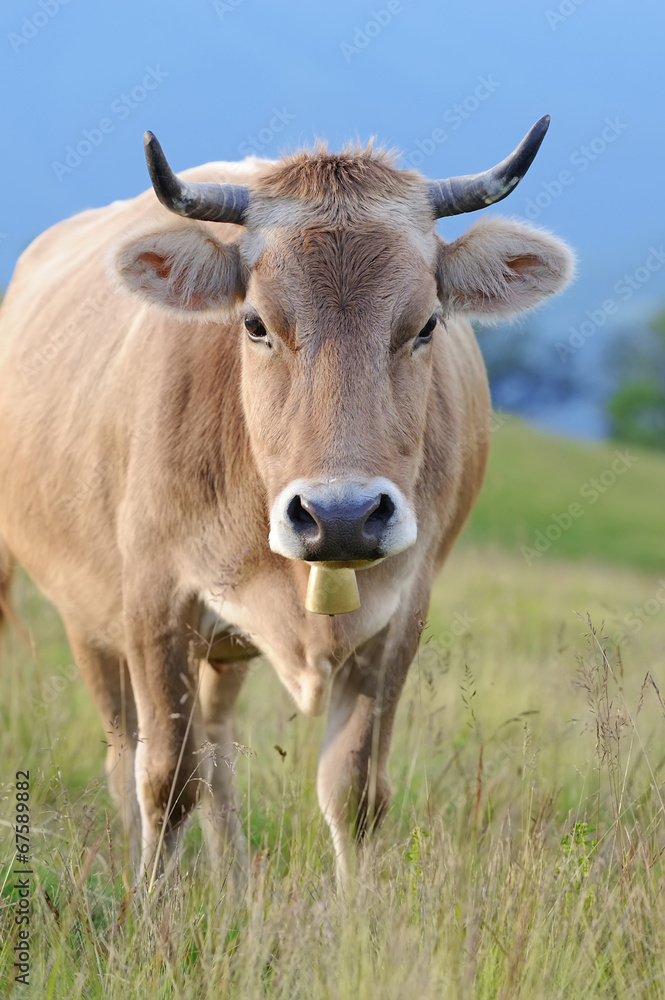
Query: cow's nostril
point(300, 517)
point(382, 514)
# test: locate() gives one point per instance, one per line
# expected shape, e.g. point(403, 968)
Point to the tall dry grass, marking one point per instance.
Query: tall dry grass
point(522, 857)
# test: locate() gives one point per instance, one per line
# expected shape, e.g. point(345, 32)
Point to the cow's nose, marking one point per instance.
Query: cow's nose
point(341, 520)
point(332, 529)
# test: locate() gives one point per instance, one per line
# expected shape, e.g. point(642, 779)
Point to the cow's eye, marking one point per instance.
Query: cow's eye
point(425, 334)
point(255, 328)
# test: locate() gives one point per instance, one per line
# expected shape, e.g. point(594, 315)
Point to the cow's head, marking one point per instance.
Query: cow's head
point(339, 286)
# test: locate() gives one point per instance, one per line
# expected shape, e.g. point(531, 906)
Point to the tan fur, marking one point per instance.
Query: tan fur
point(499, 267)
point(343, 180)
point(144, 443)
point(198, 272)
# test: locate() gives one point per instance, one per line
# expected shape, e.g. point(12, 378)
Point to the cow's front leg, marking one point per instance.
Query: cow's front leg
point(219, 687)
point(352, 782)
point(167, 766)
point(107, 680)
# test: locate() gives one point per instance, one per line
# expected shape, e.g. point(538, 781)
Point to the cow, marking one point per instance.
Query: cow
point(245, 370)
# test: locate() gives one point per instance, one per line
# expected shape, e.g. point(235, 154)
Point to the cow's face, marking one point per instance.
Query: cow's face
point(339, 295)
point(337, 359)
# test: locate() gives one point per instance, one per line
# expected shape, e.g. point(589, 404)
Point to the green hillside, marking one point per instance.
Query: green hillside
point(546, 497)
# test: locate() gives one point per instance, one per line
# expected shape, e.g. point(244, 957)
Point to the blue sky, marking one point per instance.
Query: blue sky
point(207, 77)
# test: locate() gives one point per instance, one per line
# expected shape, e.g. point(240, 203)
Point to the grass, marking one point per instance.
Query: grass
point(522, 857)
point(533, 476)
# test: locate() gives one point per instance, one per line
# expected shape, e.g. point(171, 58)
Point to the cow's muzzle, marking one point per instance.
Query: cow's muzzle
point(341, 521)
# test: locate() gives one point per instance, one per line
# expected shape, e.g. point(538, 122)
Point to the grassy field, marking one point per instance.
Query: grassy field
point(523, 854)
point(534, 478)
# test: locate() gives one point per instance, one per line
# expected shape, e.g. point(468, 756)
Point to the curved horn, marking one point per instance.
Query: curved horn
point(470, 192)
point(208, 202)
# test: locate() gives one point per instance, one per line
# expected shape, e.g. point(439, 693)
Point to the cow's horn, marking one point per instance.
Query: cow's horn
point(209, 202)
point(470, 192)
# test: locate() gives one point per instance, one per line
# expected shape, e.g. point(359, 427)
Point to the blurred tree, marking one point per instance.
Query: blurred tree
point(637, 414)
point(637, 408)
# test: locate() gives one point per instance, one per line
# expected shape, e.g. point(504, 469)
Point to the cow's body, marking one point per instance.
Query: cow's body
point(137, 493)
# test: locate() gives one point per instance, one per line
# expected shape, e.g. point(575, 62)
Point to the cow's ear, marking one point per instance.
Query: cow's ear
point(500, 267)
point(183, 268)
